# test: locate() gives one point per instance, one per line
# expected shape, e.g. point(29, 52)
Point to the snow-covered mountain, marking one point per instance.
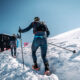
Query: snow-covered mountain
point(64, 64)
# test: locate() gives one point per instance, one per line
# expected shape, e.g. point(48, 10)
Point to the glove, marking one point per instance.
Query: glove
point(18, 36)
point(48, 33)
point(20, 30)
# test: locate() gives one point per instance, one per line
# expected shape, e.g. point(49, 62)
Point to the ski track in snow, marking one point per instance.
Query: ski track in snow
point(64, 65)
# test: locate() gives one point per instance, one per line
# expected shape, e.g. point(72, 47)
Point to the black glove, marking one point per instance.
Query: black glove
point(48, 33)
point(20, 30)
point(18, 36)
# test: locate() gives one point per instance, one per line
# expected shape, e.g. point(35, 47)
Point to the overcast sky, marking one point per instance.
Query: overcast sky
point(59, 15)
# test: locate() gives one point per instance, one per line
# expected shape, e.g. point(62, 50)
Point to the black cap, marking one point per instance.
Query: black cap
point(36, 19)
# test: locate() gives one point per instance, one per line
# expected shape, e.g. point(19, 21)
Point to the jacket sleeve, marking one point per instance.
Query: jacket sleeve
point(27, 29)
point(47, 31)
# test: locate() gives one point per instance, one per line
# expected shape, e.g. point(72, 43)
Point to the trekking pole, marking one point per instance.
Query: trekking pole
point(74, 51)
point(21, 49)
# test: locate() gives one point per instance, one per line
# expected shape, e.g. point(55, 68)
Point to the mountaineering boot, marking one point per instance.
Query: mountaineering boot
point(35, 67)
point(14, 56)
point(11, 55)
point(47, 71)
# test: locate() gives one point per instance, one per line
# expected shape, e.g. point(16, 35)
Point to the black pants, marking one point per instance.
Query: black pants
point(13, 51)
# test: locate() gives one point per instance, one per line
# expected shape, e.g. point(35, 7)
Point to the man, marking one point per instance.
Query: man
point(13, 45)
point(40, 31)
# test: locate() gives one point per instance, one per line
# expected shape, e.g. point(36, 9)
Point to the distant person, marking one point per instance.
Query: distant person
point(13, 45)
point(41, 33)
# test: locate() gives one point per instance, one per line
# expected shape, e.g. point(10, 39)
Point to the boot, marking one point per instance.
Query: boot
point(35, 67)
point(14, 56)
point(47, 71)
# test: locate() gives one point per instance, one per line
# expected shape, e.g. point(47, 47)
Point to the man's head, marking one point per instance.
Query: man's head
point(36, 19)
point(14, 35)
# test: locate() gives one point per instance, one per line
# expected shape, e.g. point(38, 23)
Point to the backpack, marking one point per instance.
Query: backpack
point(39, 27)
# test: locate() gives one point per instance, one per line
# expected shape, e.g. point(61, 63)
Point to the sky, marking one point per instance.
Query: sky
point(59, 15)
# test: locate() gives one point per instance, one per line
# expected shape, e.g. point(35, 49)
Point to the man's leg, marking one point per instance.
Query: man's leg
point(35, 46)
point(43, 54)
point(12, 51)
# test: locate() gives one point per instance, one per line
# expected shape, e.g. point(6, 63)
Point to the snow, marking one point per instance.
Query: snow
point(64, 64)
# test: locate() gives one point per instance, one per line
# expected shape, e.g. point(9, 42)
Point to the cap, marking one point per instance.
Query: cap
point(36, 19)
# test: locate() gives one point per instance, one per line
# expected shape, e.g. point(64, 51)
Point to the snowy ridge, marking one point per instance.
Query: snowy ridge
point(71, 33)
point(64, 65)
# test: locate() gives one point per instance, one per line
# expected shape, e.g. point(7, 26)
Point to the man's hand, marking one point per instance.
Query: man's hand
point(20, 30)
point(48, 33)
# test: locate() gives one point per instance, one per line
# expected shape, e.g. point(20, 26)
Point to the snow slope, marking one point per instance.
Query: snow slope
point(64, 65)
point(12, 69)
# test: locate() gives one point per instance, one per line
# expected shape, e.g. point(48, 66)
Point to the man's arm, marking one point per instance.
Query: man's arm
point(26, 29)
point(47, 31)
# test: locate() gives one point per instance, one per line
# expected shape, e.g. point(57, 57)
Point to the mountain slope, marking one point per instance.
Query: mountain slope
point(12, 69)
point(63, 64)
